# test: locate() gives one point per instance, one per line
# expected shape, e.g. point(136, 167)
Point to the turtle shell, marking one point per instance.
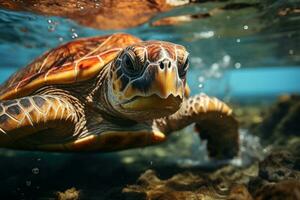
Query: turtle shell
point(72, 62)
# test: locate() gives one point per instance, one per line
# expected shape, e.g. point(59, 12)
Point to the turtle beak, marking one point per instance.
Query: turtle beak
point(158, 88)
point(166, 81)
point(159, 79)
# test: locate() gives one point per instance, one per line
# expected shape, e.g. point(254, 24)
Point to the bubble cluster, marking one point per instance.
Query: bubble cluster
point(197, 62)
point(201, 80)
point(216, 69)
point(79, 6)
point(250, 149)
point(97, 3)
point(52, 25)
point(73, 33)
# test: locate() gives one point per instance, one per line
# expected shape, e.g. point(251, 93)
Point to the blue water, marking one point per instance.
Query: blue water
point(254, 83)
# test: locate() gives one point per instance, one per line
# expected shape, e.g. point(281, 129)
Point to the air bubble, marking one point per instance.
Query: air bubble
point(226, 61)
point(51, 28)
point(35, 170)
point(237, 65)
point(204, 34)
point(197, 61)
point(238, 40)
point(74, 35)
point(245, 27)
point(215, 67)
point(201, 79)
point(52, 25)
point(28, 183)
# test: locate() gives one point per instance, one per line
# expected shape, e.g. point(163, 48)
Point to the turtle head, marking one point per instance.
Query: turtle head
point(147, 80)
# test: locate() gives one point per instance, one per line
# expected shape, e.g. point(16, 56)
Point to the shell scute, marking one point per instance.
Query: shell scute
point(72, 62)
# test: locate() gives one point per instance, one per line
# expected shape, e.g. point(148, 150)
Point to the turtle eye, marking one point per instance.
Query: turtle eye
point(184, 68)
point(128, 65)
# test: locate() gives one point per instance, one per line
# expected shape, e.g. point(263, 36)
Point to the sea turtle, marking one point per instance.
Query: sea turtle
point(109, 93)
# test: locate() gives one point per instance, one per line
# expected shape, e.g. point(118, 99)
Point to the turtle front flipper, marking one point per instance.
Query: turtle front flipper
point(214, 121)
point(25, 121)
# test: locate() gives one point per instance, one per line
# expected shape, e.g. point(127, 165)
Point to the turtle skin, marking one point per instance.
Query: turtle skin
point(109, 93)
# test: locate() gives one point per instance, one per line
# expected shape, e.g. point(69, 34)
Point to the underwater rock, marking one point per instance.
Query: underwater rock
point(278, 177)
point(279, 166)
point(186, 186)
point(69, 194)
point(283, 190)
point(281, 121)
point(288, 11)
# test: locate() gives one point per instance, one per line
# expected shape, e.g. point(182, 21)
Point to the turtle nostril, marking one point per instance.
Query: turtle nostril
point(165, 63)
point(161, 65)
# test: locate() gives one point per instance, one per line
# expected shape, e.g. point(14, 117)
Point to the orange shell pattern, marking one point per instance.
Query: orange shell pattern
point(72, 62)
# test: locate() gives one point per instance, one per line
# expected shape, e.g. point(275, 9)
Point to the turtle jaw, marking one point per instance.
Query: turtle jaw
point(153, 103)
